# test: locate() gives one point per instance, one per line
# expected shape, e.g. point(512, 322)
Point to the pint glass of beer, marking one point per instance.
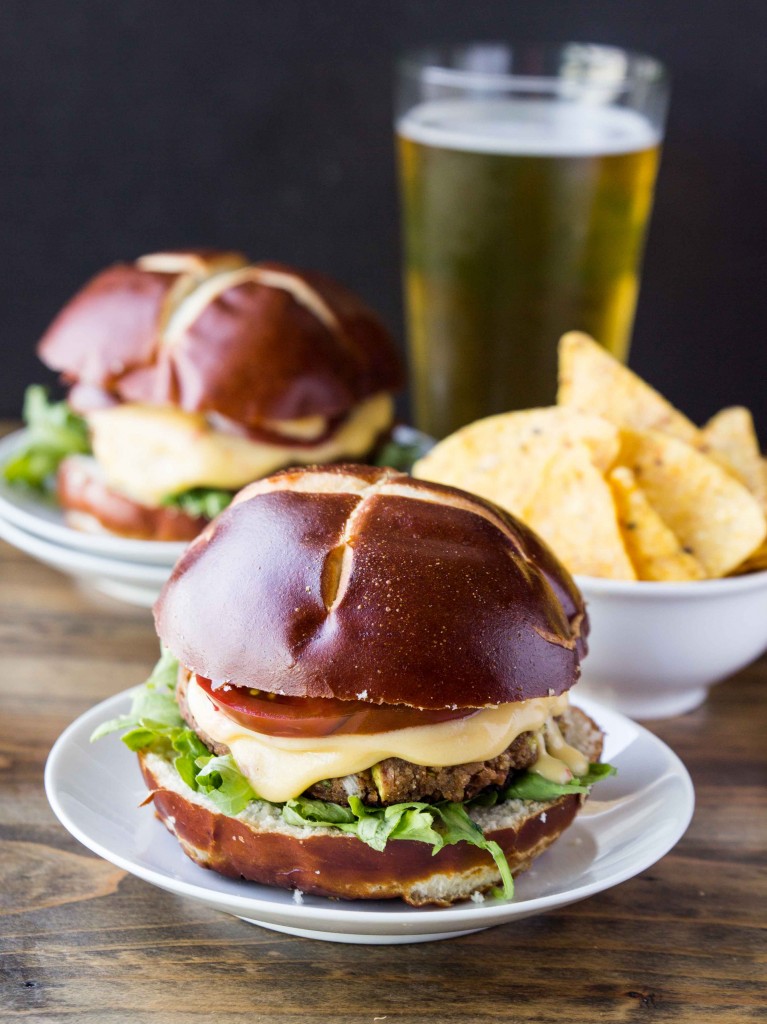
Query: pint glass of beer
point(527, 179)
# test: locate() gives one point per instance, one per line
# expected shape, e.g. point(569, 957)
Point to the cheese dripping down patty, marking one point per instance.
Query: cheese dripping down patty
point(280, 768)
point(151, 452)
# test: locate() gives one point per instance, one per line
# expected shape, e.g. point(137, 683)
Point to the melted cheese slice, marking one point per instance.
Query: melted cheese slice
point(149, 452)
point(280, 768)
point(561, 752)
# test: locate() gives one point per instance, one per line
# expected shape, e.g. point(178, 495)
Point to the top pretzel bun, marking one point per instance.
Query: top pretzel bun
point(207, 332)
point(363, 584)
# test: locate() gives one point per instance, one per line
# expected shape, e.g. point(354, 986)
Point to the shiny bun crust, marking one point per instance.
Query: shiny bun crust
point(361, 583)
point(208, 332)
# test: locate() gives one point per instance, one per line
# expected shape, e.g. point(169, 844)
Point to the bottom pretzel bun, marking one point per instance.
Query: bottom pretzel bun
point(259, 846)
point(91, 506)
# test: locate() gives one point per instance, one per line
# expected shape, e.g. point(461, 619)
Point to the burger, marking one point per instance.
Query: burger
point(364, 691)
point(191, 374)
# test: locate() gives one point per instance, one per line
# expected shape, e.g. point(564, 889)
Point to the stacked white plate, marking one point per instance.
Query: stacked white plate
point(130, 570)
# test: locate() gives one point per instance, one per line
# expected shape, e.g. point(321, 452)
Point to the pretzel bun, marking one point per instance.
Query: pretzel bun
point(326, 581)
point(363, 585)
point(207, 332)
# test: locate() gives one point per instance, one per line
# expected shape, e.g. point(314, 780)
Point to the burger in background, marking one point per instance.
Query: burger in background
point(364, 691)
point(191, 374)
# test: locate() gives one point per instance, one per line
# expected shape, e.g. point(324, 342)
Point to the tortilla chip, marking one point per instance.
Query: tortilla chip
point(730, 439)
point(714, 516)
point(573, 510)
point(592, 381)
point(756, 562)
point(501, 458)
point(653, 548)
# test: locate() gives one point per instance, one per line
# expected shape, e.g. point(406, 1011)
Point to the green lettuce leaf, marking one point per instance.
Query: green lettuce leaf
point(305, 811)
point(154, 722)
point(439, 825)
point(458, 827)
point(54, 432)
point(190, 752)
point(200, 501)
point(530, 786)
point(221, 780)
point(154, 708)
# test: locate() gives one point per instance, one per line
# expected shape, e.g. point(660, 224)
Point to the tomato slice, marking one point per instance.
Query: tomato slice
point(275, 715)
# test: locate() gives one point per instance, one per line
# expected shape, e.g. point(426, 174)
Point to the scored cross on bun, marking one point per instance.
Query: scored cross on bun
point(196, 369)
point(355, 643)
point(457, 603)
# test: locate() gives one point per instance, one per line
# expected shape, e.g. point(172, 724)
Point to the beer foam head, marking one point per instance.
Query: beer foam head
point(534, 127)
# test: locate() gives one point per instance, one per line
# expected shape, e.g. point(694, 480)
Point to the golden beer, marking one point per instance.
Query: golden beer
point(523, 219)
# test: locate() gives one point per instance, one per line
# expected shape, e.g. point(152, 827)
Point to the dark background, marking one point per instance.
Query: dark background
point(266, 126)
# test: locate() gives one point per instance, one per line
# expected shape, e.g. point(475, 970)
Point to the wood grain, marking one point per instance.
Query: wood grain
point(80, 941)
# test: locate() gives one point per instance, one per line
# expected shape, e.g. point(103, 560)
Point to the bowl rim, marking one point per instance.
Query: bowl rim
point(672, 590)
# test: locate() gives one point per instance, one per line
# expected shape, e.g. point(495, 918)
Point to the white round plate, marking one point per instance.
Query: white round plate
point(43, 518)
point(127, 581)
point(630, 822)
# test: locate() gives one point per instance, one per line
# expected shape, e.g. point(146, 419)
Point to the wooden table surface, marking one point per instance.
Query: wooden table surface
point(82, 940)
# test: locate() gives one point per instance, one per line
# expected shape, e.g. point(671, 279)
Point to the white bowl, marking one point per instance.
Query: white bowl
point(655, 649)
